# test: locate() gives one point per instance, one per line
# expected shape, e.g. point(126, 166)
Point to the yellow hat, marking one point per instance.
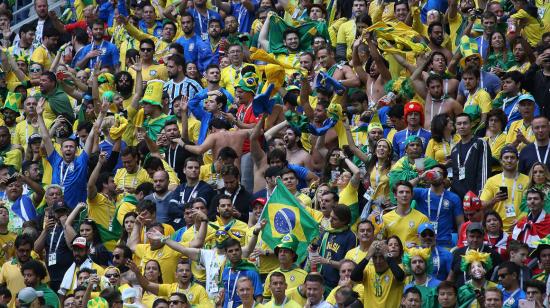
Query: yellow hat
point(120, 126)
point(153, 93)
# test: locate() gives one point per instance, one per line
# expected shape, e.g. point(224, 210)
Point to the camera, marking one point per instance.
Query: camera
point(477, 13)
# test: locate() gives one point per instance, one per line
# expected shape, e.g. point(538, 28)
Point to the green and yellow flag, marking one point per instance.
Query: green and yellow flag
point(284, 215)
point(306, 30)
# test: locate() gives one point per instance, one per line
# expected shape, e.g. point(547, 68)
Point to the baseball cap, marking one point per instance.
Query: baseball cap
point(425, 226)
point(508, 149)
point(259, 200)
point(471, 202)
point(79, 242)
point(475, 226)
point(28, 295)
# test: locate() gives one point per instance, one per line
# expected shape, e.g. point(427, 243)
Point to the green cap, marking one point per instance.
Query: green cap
point(290, 242)
point(13, 100)
point(248, 83)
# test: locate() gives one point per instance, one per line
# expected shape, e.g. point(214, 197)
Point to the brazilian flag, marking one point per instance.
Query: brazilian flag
point(306, 31)
point(284, 214)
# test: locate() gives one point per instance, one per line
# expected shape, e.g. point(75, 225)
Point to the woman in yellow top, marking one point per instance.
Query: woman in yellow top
point(495, 135)
point(153, 274)
point(442, 141)
point(378, 168)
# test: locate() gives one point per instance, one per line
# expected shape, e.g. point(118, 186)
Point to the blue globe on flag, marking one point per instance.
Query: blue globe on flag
point(284, 221)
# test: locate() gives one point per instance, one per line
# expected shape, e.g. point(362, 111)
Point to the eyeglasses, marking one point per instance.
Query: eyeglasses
point(146, 49)
point(175, 302)
point(112, 275)
point(116, 257)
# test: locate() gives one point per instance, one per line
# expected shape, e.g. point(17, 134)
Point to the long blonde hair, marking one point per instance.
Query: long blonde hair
point(546, 174)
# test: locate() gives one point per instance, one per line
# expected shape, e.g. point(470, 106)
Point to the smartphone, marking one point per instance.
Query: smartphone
point(523, 303)
point(503, 189)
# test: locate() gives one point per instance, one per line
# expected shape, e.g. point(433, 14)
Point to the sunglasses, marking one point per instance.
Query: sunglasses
point(146, 49)
point(116, 257)
point(112, 275)
point(35, 70)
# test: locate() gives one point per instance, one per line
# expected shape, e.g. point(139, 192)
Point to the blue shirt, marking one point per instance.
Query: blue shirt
point(244, 16)
point(73, 177)
point(205, 54)
point(197, 108)
point(483, 46)
point(449, 207)
point(189, 47)
point(229, 280)
point(107, 11)
point(402, 135)
point(442, 261)
point(301, 173)
point(110, 54)
point(201, 22)
point(511, 299)
point(157, 31)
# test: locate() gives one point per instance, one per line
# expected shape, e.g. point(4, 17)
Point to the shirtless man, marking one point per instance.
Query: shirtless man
point(220, 137)
point(429, 64)
point(378, 73)
point(437, 103)
point(343, 73)
point(261, 162)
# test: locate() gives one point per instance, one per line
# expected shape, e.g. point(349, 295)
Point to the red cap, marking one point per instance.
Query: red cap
point(259, 200)
point(471, 202)
point(413, 106)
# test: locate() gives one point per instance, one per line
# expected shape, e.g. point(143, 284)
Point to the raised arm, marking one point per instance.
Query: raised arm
point(378, 59)
point(270, 133)
point(225, 6)
point(36, 188)
point(253, 240)
point(263, 39)
point(256, 150)
point(69, 230)
point(95, 129)
point(143, 282)
point(351, 143)
point(191, 253)
point(358, 66)
point(92, 189)
point(46, 139)
point(208, 144)
point(305, 91)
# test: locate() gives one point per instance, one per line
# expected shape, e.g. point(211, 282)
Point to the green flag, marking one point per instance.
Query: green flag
point(306, 32)
point(284, 214)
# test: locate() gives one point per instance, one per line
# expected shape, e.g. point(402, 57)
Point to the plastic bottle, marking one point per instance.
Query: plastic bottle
point(511, 26)
point(432, 175)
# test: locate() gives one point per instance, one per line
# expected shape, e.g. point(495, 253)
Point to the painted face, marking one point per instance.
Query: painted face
point(476, 270)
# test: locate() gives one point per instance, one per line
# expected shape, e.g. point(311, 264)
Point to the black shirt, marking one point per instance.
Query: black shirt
point(462, 277)
point(64, 256)
point(242, 200)
point(528, 156)
point(539, 86)
point(176, 160)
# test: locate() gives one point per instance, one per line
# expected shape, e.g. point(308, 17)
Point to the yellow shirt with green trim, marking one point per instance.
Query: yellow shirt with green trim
point(122, 209)
point(7, 239)
point(346, 36)
point(527, 131)
point(294, 277)
point(356, 254)
point(102, 211)
point(131, 180)
point(196, 294)
point(23, 130)
point(166, 257)
point(13, 157)
point(440, 150)
point(508, 209)
point(289, 303)
point(381, 290)
point(297, 296)
point(496, 145)
point(42, 56)
point(403, 226)
point(291, 59)
point(154, 71)
point(265, 264)
point(481, 98)
point(11, 276)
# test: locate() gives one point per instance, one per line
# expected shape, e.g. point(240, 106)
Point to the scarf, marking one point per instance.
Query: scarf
point(324, 241)
point(243, 265)
point(69, 281)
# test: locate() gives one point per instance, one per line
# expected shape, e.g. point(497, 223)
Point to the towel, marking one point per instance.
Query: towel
point(69, 281)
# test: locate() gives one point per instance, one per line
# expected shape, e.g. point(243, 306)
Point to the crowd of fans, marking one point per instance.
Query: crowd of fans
point(141, 143)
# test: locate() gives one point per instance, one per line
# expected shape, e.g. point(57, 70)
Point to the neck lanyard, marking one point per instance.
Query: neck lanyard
point(371, 96)
point(191, 195)
point(200, 20)
point(235, 195)
point(412, 134)
point(494, 139)
point(376, 176)
point(63, 175)
point(58, 239)
point(538, 154)
point(438, 207)
point(437, 260)
point(445, 146)
point(172, 162)
point(481, 47)
point(513, 187)
point(510, 300)
point(234, 283)
point(440, 106)
point(465, 159)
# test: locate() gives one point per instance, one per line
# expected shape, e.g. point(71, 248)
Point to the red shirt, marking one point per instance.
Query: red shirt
point(246, 115)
